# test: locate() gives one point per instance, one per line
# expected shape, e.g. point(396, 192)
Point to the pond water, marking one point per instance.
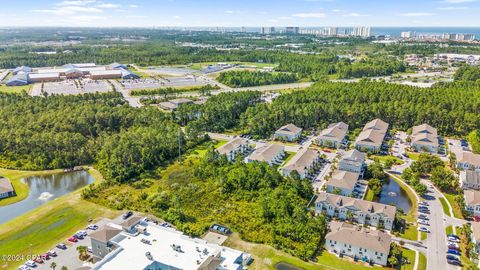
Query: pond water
point(43, 189)
point(393, 194)
point(286, 266)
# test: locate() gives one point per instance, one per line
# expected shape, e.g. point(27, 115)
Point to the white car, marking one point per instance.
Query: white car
point(452, 244)
point(423, 222)
point(92, 227)
point(30, 264)
point(423, 229)
point(453, 239)
point(52, 253)
point(24, 267)
point(82, 233)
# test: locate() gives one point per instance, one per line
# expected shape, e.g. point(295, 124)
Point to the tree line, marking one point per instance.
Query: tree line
point(255, 78)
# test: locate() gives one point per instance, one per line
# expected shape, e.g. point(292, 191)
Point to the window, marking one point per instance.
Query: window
point(376, 253)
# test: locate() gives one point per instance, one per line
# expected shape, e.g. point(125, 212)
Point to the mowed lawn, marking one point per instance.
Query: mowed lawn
point(21, 189)
point(15, 89)
point(41, 229)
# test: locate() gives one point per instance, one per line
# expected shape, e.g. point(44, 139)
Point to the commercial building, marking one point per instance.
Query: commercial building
point(470, 179)
point(360, 211)
point(19, 79)
point(22, 69)
point(424, 138)
point(233, 148)
point(288, 132)
point(472, 201)
point(267, 30)
point(174, 103)
point(468, 161)
point(150, 247)
point(43, 77)
point(372, 246)
point(304, 163)
point(292, 30)
point(372, 136)
point(342, 182)
point(352, 161)
point(6, 188)
point(333, 136)
point(271, 154)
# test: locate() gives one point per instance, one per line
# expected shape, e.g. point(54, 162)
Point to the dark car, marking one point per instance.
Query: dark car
point(454, 262)
point(454, 252)
point(61, 246)
point(452, 257)
point(453, 235)
point(452, 247)
point(127, 214)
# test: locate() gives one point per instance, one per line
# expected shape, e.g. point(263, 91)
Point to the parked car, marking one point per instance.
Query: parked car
point(451, 244)
point(452, 257)
point(454, 236)
point(127, 214)
point(423, 222)
point(423, 229)
point(454, 262)
point(422, 216)
point(453, 239)
point(52, 253)
point(24, 267)
point(38, 259)
point(89, 249)
point(72, 239)
point(453, 247)
point(30, 264)
point(46, 256)
point(82, 233)
point(454, 252)
point(424, 203)
point(92, 227)
point(61, 246)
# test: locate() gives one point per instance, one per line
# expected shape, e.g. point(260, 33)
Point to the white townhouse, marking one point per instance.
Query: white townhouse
point(472, 201)
point(352, 161)
point(476, 235)
point(304, 163)
point(424, 138)
point(372, 136)
point(360, 211)
point(342, 182)
point(468, 161)
point(233, 148)
point(6, 188)
point(354, 241)
point(289, 133)
point(272, 154)
point(333, 136)
point(469, 179)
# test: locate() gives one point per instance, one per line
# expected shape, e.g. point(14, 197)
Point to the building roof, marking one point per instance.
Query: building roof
point(35, 76)
point(476, 231)
point(343, 179)
point(361, 205)
point(303, 159)
point(354, 156)
point(170, 249)
point(19, 79)
point(335, 131)
point(179, 101)
point(5, 185)
point(470, 177)
point(267, 153)
point(424, 128)
point(105, 233)
point(129, 222)
point(290, 129)
point(167, 105)
point(231, 145)
point(113, 72)
point(472, 197)
point(371, 137)
point(127, 74)
point(22, 69)
point(357, 236)
point(468, 157)
point(376, 124)
point(425, 139)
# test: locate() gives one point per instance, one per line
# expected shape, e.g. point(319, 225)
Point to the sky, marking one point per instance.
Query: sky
point(230, 13)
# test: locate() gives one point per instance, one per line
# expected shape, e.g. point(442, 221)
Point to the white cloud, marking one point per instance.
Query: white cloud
point(108, 5)
point(416, 14)
point(133, 6)
point(309, 15)
point(452, 8)
point(76, 2)
point(177, 17)
point(355, 14)
point(229, 11)
point(338, 10)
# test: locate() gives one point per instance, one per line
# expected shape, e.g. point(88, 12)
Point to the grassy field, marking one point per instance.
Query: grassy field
point(446, 210)
point(413, 156)
point(21, 189)
point(15, 89)
point(200, 150)
point(423, 236)
point(41, 229)
point(411, 232)
point(410, 256)
point(457, 212)
point(422, 262)
point(288, 157)
point(383, 159)
point(369, 196)
point(449, 230)
point(266, 257)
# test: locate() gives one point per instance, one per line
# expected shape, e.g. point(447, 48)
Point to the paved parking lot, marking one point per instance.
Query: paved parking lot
point(71, 87)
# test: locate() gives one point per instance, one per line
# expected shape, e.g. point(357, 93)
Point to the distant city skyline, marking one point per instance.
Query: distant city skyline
point(231, 13)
